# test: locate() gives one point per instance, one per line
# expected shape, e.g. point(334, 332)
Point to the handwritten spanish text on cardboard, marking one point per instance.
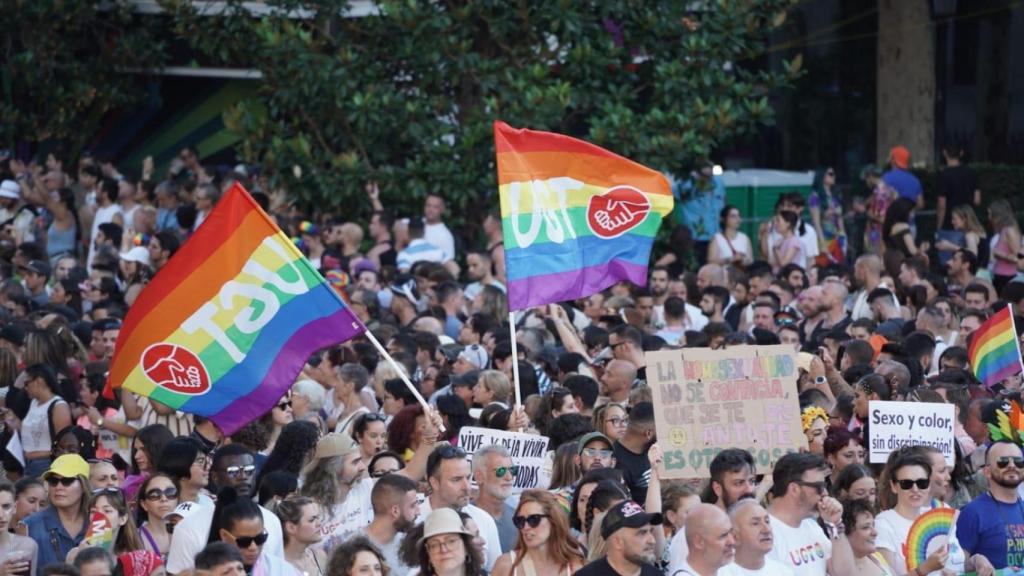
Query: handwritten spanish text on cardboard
point(708, 400)
point(527, 452)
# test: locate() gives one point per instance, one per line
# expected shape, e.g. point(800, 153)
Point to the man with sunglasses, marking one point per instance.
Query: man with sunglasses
point(495, 476)
point(799, 496)
point(595, 451)
point(233, 466)
point(990, 528)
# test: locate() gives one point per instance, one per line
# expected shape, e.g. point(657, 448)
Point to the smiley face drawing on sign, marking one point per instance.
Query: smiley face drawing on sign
point(176, 369)
point(617, 211)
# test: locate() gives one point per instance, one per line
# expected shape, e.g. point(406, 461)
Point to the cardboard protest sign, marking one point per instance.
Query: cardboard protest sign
point(528, 451)
point(708, 400)
point(892, 425)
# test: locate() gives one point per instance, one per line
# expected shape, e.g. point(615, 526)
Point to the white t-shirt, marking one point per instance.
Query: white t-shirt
point(893, 530)
point(348, 517)
point(805, 550)
point(770, 568)
point(725, 246)
point(103, 216)
point(484, 521)
point(439, 235)
point(678, 550)
point(190, 537)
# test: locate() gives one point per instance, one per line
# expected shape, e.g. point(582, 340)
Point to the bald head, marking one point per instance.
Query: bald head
point(710, 537)
point(623, 369)
point(701, 522)
point(752, 527)
point(712, 275)
point(870, 264)
point(896, 373)
point(835, 293)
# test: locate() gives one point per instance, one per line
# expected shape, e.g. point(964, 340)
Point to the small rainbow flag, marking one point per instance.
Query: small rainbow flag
point(577, 218)
point(994, 350)
point(225, 327)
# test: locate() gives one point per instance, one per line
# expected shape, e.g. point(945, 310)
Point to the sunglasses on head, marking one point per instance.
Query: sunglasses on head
point(170, 493)
point(533, 520)
point(1005, 461)
point(54, 480)
point(244, 542)
point(922, 484)
point(513, 470)
point(107, 490)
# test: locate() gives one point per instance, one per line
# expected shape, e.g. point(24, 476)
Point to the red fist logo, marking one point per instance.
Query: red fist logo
point(617, 211)
point(175, 368)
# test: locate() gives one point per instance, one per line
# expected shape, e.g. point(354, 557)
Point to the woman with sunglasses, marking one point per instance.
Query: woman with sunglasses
point(17, 553)
point(544, 545)
point(240, 523)
point(132, 556)
point(386, 462)
point(280, 415)
point(611, 420)
point(61, 525)
point(908, 476)
point(158, 496)
point(47, 414)
point(370, 433)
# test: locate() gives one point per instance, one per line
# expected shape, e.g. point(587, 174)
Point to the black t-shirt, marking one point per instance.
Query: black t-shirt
point(601, 567)
point(957, 184)
point(636, 471)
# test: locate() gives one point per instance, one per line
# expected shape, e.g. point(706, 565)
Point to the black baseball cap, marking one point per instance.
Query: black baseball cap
point(627, 514)
point(38, 266)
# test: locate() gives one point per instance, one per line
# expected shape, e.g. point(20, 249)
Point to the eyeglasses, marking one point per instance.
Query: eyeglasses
point(922, 484)
point(284, 405)
point(513, 470)
point(244, 542)
point(448, 543)
point(818, 487)
point(1005, 461)
point(617, 422)
point(54, 480)
point(597, 452)
point(533, 520)
point(236, 471)
point(384, 472)
point(169, 493)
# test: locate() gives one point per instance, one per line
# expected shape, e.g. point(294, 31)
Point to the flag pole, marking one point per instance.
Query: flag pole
point(1016, 339)
point(515, 357)
point(401, 372)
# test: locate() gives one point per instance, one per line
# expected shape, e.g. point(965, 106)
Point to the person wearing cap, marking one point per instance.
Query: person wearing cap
point(34, 276)
point(899, 179)
point(446, 546)
point(419, 249)
point(630, 543)
point(595, 451)
point(15, 212)
point(61, 526)
point(336, 478)
point(472, 357)
point(799, 497)
point(405, 299)
point(233, 467)
point(181, 512)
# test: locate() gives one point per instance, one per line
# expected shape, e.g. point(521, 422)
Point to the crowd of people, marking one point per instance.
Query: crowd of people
point(350, 474)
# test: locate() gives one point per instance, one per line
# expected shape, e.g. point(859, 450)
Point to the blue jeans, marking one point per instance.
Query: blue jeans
point(35, 468)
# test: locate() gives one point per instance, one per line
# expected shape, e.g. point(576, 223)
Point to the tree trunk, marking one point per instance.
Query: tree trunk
point(906, 79)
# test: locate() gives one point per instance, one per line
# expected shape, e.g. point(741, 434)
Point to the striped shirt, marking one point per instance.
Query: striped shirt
point(417, 251)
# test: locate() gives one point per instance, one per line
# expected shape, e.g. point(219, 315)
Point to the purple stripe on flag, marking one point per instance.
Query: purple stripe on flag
point(290, 359)
point(1004, 367)
point(572, 284)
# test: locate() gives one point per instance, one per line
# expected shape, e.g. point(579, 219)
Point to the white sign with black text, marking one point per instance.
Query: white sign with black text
point(528, 452)
point(893, 425)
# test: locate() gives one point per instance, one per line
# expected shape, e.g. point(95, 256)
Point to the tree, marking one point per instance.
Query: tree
point(906, 79)
point(407, 94)
point(65, 65)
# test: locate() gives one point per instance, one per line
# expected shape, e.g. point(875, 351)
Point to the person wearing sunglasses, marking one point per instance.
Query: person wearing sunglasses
point(495, 475)
point(907, 475)
point(384, 463)
point(240, 523)
point(984, 526)
point(280, 415)
point(157, 498)
point(61, 525)
point(543, 542)
point(127, 546)
point(798, 498)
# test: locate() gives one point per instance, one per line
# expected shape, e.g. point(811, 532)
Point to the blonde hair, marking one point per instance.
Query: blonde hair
point(497, 383)
point(971, 222)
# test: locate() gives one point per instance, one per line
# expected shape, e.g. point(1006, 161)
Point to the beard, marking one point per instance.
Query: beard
point(1007, 483)
point(404, 525)
point(639, 558)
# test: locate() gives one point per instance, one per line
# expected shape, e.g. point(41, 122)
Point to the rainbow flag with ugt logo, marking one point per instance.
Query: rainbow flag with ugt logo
point(576, 218)
point(225, 327)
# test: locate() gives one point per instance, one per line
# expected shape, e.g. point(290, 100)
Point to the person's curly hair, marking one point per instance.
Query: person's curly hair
point(344, 556)
point(402, 429)
point(297, 440)
point(253, 435)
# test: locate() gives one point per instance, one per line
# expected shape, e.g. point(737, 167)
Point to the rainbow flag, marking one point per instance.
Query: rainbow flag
point(577, 218)
point(225, 327)
point(994, 350)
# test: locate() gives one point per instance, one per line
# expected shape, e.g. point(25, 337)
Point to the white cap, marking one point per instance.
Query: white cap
point(185, 509)
point(137, 254)
point(10, 189)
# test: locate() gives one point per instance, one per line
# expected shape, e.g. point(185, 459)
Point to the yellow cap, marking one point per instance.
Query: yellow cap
point(68, 466)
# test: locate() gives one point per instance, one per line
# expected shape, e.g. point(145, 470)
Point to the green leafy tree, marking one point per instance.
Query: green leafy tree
point(407, 94)
point(65, 65)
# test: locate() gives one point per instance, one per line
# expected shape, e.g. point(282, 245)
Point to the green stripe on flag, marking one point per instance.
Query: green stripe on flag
point(578, 220)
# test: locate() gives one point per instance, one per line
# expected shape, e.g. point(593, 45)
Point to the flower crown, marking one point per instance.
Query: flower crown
point(810, 414)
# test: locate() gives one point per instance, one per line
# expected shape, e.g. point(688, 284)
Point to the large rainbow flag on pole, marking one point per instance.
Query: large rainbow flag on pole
point(577, 218)
point(994, 350)
point(225, 327)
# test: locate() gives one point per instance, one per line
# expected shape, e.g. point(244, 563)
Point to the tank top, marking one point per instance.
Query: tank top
point(59, 241)
point(35, 428)
point(1002, 267)
point(526, 567)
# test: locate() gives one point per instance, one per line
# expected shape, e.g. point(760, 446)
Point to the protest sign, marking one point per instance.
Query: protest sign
point(528, 451)
point(708, 400)
point(892, 425)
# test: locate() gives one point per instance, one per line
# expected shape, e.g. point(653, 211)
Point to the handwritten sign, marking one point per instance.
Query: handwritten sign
point(708, 400)
point(892, 425)
point(527, 451)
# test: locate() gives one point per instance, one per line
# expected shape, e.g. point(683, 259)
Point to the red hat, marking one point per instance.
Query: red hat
point(900, 157)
